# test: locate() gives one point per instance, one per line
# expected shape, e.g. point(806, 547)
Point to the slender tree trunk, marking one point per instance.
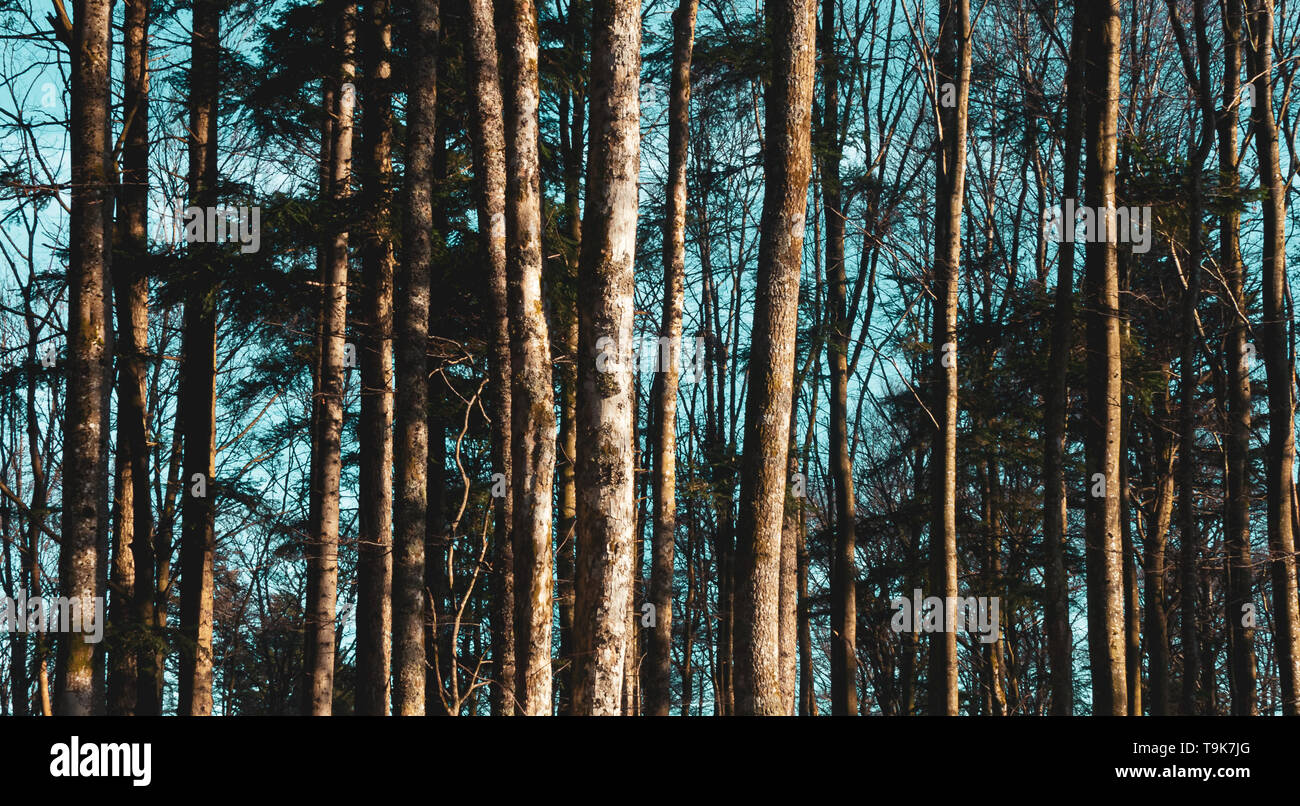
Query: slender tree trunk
point(1273, 332)
point(133, 669)
point(488, 139)
point(954, 64)
point(327, 458)
point(198, 408)
point(1060, 641)
point(572, 120)
point(1237, 504)
point(85, 464)
point(532, 396)
point(375, 558)
point(606, 406)
point(657, 691)
point(1156, 626)
point(411, 430)
point(787, 162)
point(1103, 545)
point(844, 656)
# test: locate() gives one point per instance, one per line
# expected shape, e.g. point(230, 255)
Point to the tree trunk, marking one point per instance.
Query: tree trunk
point(411, 431)
point(327, 458)
point(85, 464)
point(1060, 641)
point(787, 162)
point(374, 553)
point(657, 691)
point(1103, 542)
point(606, 407)
point(844, 657)
point(488, 140)
point(532, 396)
point(1273, 332)
point(198, 408)
point(133, 670)
point(1237, 504)
point(954, 64)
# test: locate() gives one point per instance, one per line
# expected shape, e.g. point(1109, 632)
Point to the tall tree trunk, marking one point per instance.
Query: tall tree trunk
point(1274, 335)
point(1060, 641)
point(657, 691)
point(954, 64)
point(844, 656)
point(787, 162)
point(327, 458)
point(572, 121)
point(1103, 541)
point(1238, 409)
point(198, 409)
point(532, 396)
point(374, 553)
point(487, 137)
point(133, 670)
point(411, 431)
point(606, 406)
point(90, 336)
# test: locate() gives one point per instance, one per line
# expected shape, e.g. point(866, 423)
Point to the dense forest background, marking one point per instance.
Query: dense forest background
point(603, 357)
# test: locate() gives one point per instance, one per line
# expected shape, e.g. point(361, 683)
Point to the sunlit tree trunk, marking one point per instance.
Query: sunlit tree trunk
point(532, 396)
point(606, 406)
point(1103, 549)
point(953, 77)
point(787, 162)
point(488, 141)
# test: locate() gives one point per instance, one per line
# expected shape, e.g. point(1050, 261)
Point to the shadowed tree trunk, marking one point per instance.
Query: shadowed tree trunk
point(844, 657)
point(1236, 539)
point(657, 691)
point(198, 409)
point(787, 162)
point(90, 337)
point(375, 558)
point(411, 431)
point(1060, 641)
